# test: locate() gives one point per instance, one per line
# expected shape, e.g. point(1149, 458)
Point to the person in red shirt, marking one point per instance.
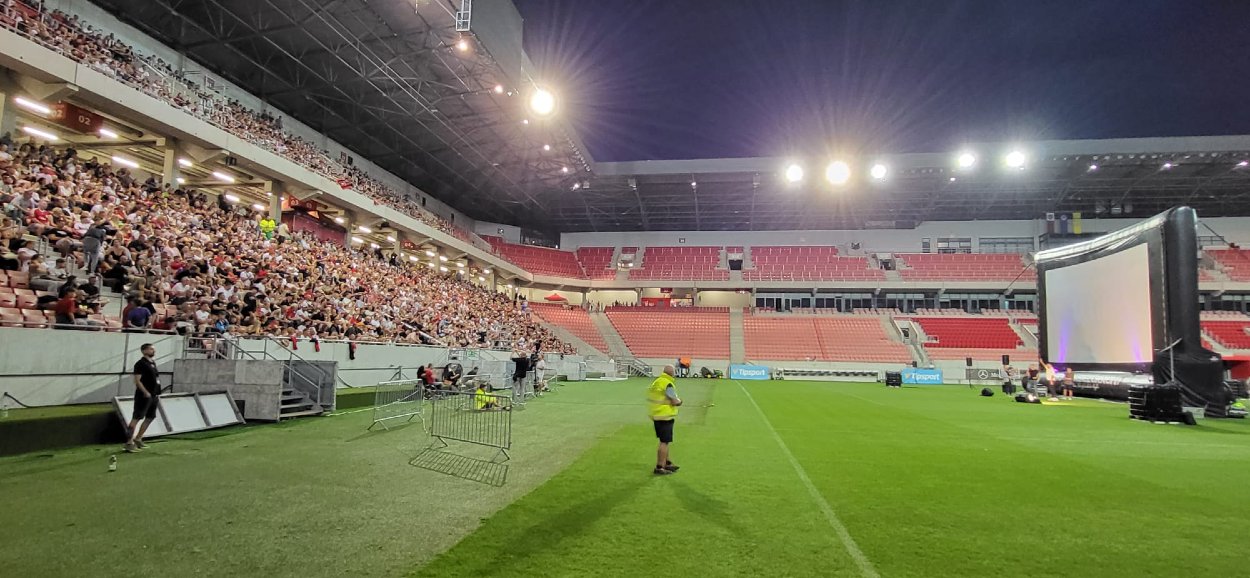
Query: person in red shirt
point(65, 309)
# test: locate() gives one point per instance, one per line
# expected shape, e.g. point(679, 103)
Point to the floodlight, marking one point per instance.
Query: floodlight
point(564, 170)
point(125, 162)
point(223, 176)
point(542, 102)
point(43, 134)
point(498, 89)
point(28, 104)
point(1167, 166)
point(1015, 160)
point(966, 160)
point(794, 173)
point(106, 133)
point(546, 147)
point(1243, 164)
point(258, 206)
point(357, 240)
point(879, 171)
point(232, 198)
point(338, 220)
point(429, 253)
point(486, 271)
point(390, 238)
point(184, 163)
point(363, 229)
point(838, 172)
point(462, 45)
point(442, 258)
point(181, 180)
point(1093, 168)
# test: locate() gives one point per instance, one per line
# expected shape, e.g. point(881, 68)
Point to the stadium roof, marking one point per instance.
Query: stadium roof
point(390, 83)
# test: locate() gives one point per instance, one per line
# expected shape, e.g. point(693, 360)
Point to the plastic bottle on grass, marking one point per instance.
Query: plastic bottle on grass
point(113, 463)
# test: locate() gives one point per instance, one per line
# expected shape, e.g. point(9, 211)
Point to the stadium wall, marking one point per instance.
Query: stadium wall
point(723, 299)
point(144, 44)
point(43, 367)
point(1235, 229)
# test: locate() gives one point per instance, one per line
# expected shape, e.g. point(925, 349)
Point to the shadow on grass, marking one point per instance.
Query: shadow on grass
point(541, 537)
point(706, 507)
point(379, 430)
point(463, 467)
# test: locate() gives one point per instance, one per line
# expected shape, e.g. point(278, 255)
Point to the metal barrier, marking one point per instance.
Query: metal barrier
point(398, 399)
point(472, 417)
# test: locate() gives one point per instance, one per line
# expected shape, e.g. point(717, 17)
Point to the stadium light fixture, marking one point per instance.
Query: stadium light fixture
point(838, 172)
point(481, 278)
point(462, 45)
point(525, 121)
point(966, 160)
point(429, 253)
point(879, 171)
point(460, 265)
point(793, 173)
point(431, 265)
point(412, 258)
point(338, 220)
point(364, 229)
point(952, 179)
point(258, 206)
point(1243, 164)
point(223, 176)
point(184, 163)
point(442, 269)
point(564, 170)
point(498, 89)
point(181, 180)
point(31, 105)
point(486, 271)
point(577, 186)
point(546, 147)
point(232, 198)
point(390, 238)
point(542, 102)
point(694, 184)
point(1093, 168)
point(106, 133)
point(357, 240)
point(43, 134)
point(1015, 160)
point(442, 258)
point(1167, 166)
point(125, 162)
point(374, 246)
point(509, 285)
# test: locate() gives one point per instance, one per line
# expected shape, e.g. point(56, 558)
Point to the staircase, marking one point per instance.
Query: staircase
point(302, 381)
point(917, 338)
point(1029, 340)
point(737, 346)
point(616, 346)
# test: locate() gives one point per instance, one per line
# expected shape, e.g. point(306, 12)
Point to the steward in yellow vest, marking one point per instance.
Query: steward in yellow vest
point(662, 402)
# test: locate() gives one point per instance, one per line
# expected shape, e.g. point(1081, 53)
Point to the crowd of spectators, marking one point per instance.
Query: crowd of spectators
point(105, 53)
point(200, 264)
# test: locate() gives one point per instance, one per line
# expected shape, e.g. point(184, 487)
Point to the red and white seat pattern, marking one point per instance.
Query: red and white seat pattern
point(1234, 262)
point(573, 319)
point(964, 267)
point(1232, 333)
point(538, 260)
point(839, 338)
point(807, 264)
point(597, 262)
point(672, 332)
point(680, 263)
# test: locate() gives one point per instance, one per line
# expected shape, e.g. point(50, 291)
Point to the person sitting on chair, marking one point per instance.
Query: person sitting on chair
point(451, 375)
point(483, 400)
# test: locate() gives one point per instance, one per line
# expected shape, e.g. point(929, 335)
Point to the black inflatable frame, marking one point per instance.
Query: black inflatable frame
point(1171, 238)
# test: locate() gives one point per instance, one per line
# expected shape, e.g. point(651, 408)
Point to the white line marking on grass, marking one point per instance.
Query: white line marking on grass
point(865, 565)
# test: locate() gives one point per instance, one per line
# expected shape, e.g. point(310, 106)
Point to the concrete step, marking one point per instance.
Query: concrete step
point(314, 411)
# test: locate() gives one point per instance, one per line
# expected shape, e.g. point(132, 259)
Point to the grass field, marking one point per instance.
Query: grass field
point(777, 479)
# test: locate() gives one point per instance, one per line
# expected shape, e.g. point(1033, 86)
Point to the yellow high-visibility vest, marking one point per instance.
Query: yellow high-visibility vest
point(657, 402)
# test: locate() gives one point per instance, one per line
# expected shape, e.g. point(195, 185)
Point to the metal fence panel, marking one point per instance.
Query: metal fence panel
point(472, 417)
point(394, 400)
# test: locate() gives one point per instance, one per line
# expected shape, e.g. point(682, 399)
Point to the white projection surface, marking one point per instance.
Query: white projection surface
point(1099, 311)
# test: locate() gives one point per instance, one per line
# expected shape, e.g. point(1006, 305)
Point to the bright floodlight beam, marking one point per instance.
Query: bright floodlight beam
point(1015, 160)
point(966, 160)
point(794, 173)
point(838, 172)
point(879, 171)
point(542, 102)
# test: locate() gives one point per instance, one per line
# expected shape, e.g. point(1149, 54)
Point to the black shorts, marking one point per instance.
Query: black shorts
point(145, 407)
point(664, 430)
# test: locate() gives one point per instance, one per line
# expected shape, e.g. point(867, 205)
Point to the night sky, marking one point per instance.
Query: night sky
point(651, 79)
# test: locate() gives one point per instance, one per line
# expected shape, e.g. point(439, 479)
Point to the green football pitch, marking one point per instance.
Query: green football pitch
point(777, 479)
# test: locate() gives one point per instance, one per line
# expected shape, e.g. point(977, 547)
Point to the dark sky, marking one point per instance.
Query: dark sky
point(652, 79)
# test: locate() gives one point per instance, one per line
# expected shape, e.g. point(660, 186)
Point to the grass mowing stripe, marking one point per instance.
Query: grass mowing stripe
point(848, 542)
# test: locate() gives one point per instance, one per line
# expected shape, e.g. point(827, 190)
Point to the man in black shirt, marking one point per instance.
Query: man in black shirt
point(147, 396)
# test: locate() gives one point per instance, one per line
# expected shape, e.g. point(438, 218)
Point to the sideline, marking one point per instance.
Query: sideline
point(865, 565)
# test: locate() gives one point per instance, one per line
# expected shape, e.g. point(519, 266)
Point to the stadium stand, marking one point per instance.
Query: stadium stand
point(1230, 333)
point(807, 264)
point(75, 39)
point(539, 260)
point(665, 332)
point(573, 319)
point(963, 267)
point(204, 266)
point(1235, 263)
point(811, 338)
point(597, 262)
point(969, 332)
point(684, 263)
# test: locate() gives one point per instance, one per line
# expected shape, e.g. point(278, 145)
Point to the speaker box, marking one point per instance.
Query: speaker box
point(968, 360)
point(987, 392)
point(1006, 359)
